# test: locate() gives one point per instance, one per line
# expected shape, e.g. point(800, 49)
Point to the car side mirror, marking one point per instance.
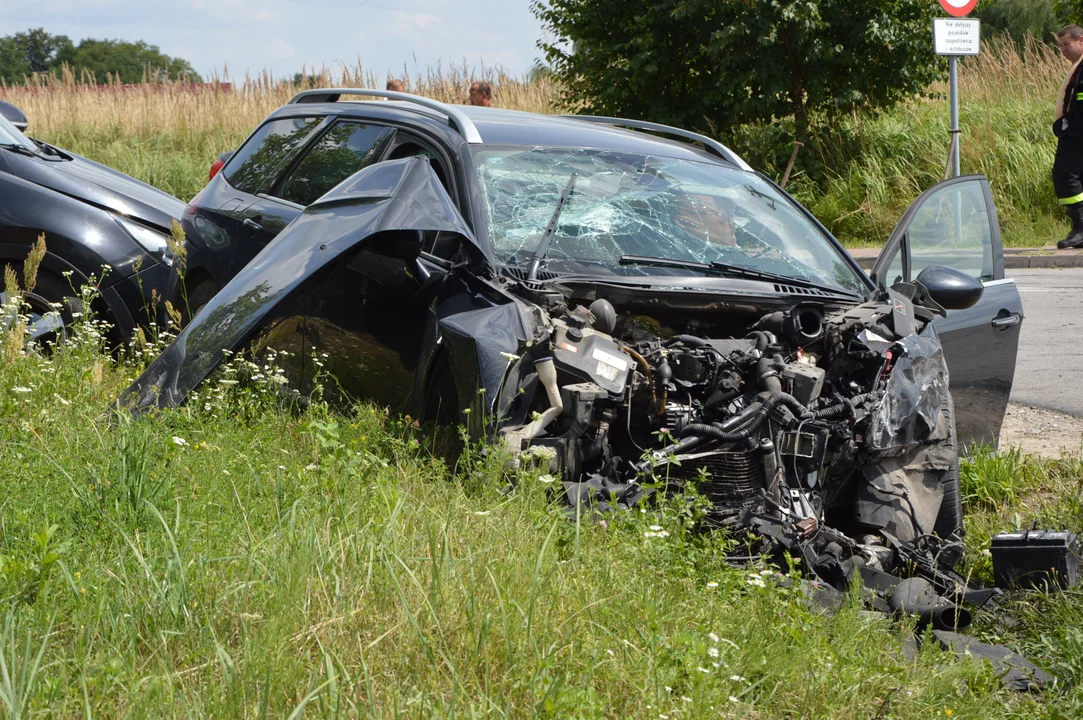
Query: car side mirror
point(950, 288)
point(14, 115)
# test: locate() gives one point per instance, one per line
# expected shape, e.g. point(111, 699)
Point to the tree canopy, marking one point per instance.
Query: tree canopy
point(720, 63)
point(36, 51)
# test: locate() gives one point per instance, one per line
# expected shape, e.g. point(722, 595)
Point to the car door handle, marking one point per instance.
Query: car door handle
point(252, 225)
point(1003, 322)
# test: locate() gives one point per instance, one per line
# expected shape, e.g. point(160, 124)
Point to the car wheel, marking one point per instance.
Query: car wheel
point(441, 408)
point(949, 522)
point(50, 309)
point(442, 398)
point(196, 299)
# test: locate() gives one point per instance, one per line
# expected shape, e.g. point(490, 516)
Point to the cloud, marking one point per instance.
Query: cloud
point(405, 22)
point(280, 35)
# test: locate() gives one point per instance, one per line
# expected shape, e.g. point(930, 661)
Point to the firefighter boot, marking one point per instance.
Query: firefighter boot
point(1075, 236)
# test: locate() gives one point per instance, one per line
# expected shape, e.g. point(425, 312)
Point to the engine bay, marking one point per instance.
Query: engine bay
point(772, 418)
point(821, 432)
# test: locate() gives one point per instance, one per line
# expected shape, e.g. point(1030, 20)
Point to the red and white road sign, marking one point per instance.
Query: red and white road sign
point(958, 8)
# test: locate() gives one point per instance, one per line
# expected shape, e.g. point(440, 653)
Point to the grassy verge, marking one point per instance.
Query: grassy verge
point(234, 558)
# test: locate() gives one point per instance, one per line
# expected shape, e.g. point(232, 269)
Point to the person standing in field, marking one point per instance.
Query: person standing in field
point(1068, 127)
point(481, 94)
point(395, 85)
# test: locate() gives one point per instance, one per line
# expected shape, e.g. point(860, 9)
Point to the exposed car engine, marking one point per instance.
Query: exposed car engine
point(822, 431)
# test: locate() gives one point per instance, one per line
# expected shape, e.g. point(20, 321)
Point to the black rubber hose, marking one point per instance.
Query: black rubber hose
point(710, 432)
point(720, 396)
point(690, 340)
point(768, 375)
point(761, 339)
point(755, 418)
point(846, 406)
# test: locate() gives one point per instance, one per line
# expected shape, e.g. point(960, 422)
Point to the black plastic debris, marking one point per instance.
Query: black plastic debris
point(1015, 671)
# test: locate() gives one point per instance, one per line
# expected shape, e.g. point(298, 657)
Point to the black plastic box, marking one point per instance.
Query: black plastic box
point(1035, 558)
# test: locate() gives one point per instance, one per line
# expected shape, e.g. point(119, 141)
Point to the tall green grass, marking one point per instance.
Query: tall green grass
point(241, 558)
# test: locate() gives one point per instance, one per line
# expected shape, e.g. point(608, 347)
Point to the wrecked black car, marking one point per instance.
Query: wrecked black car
point(98, 223)
point(640, 310)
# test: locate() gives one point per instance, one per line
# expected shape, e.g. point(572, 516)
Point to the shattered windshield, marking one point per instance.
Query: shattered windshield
point(647, 205)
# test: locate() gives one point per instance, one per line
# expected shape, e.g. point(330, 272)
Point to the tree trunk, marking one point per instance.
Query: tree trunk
point(797, 87)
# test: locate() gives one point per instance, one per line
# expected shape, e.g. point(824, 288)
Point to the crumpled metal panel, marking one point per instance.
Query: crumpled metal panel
point(395, 195)
point(916, 390)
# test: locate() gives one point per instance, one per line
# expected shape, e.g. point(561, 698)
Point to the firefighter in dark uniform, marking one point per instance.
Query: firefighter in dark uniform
point(1068, 127)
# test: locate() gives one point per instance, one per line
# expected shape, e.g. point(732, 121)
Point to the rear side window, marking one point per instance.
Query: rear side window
point(265, 151)
point(343, 150)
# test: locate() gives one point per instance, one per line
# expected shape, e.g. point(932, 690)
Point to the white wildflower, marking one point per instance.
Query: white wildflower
point(713, 637)
point(547, 479)
point(711, 586)
point(656, 528)
point(179, 441)
point(713, 652)
point(737, 678)
point(311, 467)
point(703, 670)
point(734, 699)
point(21, 389)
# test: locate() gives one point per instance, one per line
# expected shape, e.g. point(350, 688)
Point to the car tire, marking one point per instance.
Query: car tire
point(949, 522)
point(442, 397)
point(49, 291)
point(196, 299)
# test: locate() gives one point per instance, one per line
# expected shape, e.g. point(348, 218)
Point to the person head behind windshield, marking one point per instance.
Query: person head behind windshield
point(707, 217)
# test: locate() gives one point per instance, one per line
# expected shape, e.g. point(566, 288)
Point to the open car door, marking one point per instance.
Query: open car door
point(955, 224)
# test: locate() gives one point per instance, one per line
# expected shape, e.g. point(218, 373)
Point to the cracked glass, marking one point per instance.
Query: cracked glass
point(648, 205)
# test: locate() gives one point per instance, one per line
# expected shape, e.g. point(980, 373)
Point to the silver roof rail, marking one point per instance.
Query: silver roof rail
point(456, 117)
point(712, 146)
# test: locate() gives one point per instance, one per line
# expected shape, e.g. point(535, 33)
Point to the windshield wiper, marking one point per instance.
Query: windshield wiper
point(17, 148)
point(729, 270)
point(46, 147)
point(550, 230)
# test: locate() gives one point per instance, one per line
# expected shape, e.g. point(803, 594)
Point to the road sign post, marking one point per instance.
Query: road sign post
point(954, 38)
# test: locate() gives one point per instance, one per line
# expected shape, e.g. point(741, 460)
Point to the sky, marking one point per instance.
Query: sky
point(284, 35)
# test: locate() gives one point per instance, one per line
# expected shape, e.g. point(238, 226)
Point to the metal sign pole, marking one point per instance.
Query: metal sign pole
point(953, 82)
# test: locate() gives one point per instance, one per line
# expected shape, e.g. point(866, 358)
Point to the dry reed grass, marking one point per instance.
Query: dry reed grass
point(1002, 71)
point(167, 133)
point(57, 105)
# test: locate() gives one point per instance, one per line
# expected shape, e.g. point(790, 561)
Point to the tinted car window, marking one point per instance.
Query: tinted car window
point(343, 150)
point(265, 150)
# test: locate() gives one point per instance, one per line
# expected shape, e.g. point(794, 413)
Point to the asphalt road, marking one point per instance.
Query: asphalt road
point(1049, 370)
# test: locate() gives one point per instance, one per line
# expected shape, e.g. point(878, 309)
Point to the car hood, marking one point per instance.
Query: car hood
point(401, 195)
point(101, 186)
